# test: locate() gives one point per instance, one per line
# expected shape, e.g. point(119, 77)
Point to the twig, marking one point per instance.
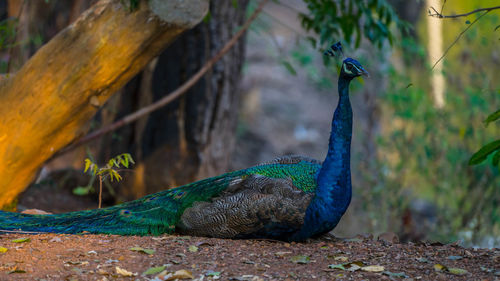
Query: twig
point(100, 191)
point(456, 39)
point(442, 6)
point(170, 97)
point(441, 16)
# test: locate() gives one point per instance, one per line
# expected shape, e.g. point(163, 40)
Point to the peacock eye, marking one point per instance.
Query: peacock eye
point(349, 66)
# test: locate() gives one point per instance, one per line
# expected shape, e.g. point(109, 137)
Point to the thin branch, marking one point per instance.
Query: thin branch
point(170, 97)
point(441, 16)
point(442, 6)
point(456, 39)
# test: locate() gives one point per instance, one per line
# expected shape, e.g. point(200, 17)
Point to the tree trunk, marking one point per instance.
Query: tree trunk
point(193, 137)
point(48, 102)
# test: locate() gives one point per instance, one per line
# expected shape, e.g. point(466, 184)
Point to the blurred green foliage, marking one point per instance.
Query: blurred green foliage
point(423, 153)
point(350, 21)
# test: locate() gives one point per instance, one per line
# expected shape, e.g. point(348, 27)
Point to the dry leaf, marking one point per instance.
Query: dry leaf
point(193, 249)
point(341, 258)
point(142, 250)
point(373, 268)
point(452, 270)
point(179, 274)
point(124, 272)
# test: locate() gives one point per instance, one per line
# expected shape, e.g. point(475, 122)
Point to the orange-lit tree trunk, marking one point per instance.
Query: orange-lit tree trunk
point(48, 102)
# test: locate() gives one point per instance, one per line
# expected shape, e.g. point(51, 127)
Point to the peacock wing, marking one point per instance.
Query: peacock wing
point(253, 206)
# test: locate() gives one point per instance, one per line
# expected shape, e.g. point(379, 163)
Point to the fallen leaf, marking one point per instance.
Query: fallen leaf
point(3, 250)
point(457, 271)
point(373, 268)
point(395, 274)
point(440, 267)
point(213, 273)
point(349, 266)
point(22, 240)
point(341, 258)
point(452, 270)
point(281, 254)
point(193, 249)
point(17, 271)
point(102, 271)
point(354, 267)
point(142, 250)
point(300, 259)
point(124, 272)
point(455, 257)
point(422, 260)
point(154, 270)
point(179, 274)
point(337, 266)
point(159, 239)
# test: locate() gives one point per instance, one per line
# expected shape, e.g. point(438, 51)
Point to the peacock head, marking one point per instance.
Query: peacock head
point(351, 68)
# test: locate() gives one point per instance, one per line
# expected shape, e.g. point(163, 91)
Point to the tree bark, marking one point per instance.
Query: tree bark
point(193, 137)
point(48, 102)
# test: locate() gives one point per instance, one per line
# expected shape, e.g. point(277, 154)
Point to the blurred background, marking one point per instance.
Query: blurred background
point(416, 125)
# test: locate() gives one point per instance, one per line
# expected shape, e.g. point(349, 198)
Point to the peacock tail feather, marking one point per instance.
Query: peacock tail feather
point(157, 213)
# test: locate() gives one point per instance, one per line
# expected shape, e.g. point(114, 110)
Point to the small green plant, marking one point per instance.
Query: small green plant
point(111, 171)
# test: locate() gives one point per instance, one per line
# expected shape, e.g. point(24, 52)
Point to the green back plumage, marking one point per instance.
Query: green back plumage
point(157, 213)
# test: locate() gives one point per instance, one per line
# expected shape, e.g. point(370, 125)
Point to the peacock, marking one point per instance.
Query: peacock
point(291, 198)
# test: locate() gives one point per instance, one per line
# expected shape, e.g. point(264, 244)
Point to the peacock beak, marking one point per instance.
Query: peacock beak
point(364, 73)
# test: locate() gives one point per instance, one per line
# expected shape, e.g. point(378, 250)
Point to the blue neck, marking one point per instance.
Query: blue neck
point(333, 193)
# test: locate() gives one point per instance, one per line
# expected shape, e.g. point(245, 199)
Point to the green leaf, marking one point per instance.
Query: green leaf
point(337, 266)
point(142, 250)
point(483, 153)
point(395, 274)
point(154, 270)
point(457, 271)
point(213, 273)
point(22, 240)
point(492, 117)
point(113, 173)
point(289, 67)
point(81, 190)
point(193, 249)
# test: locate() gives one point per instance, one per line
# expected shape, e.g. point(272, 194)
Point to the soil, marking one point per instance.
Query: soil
point(105, 257)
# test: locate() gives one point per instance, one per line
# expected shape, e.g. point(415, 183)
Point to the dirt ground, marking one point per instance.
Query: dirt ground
point(102, 257)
